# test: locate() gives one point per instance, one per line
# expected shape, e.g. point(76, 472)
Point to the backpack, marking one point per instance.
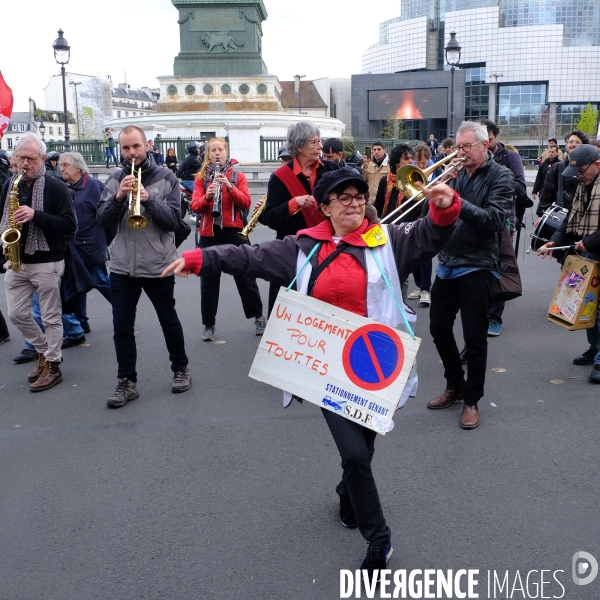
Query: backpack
point(522, 200)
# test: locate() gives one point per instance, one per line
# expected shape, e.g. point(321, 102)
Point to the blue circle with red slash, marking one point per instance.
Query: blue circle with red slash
point(373, 357)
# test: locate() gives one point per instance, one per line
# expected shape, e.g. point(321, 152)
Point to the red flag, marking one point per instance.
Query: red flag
point(6, 105)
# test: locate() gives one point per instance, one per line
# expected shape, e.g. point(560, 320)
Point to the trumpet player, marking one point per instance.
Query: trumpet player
point(222, 200)
point(40, 207)
point(143, 246)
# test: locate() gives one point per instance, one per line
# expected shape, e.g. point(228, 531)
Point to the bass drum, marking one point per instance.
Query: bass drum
point(550, 222)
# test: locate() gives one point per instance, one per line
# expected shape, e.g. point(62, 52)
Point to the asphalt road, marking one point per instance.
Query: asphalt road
point(220, 493)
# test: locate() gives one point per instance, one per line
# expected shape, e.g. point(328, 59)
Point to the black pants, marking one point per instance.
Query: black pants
point(470, 294)
point(125, 293)
point(210, 285)
point(356, 445)
point(3, 327)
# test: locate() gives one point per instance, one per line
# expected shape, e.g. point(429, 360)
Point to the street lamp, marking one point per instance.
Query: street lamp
point(297, 94)
point(75, 84)
point(452, 58)
point(42, 129)
point(62, 54)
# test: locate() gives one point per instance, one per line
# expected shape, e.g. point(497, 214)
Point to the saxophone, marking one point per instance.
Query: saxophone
point(244, 233)
point(12, 236)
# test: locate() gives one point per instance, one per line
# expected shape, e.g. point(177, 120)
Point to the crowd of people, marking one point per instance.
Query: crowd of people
point(320, 202)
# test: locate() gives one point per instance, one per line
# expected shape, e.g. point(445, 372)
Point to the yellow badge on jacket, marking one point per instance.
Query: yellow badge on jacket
point(374, 237)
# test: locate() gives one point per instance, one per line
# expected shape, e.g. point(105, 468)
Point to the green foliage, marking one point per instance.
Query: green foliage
point(588, 123)
point(393, 128)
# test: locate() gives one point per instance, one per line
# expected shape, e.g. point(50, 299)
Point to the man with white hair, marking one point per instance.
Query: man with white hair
point(45, 214)
point(468, 268)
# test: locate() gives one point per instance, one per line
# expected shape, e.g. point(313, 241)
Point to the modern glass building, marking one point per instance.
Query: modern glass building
point(530, 65)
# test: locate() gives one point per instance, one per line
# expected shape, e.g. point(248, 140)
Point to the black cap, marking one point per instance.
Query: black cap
point(283, 151)
point(553, 140)
point(332, 179)
point(580, 157)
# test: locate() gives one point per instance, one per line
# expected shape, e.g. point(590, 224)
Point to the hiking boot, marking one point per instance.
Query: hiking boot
point(260, 324)
point(376, 560)
point(347, 516)
point(424, 298)
point(38, 370)
point(414, 295)
point(49, 377)
point(182, 380)
point(25, 356)
point(126, 391)
point(208, 335)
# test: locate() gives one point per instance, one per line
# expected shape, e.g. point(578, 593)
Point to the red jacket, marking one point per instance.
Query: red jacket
point(233, 202)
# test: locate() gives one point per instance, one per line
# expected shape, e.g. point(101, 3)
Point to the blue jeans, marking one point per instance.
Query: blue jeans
point(423, 276)
point(125, 293)
point(71, 327)
point(111, 152)
point(100, 277)
point(188, 185)
point(593, 333)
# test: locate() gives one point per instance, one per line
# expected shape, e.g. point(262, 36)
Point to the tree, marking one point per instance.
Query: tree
point(588, 122)
point(86, 127)
point(393, 128)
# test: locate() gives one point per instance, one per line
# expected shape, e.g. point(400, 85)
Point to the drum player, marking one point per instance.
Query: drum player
point(582, 228)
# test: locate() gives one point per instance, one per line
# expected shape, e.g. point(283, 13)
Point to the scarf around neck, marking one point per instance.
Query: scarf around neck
point(36, 240)
point(585, 214)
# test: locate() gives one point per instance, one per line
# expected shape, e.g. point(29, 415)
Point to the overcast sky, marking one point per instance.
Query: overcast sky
point(313, 38)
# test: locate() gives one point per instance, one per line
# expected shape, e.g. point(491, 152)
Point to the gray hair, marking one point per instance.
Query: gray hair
point(298, 136)
point(477, 129)
point(77, 161)
point(31, 138)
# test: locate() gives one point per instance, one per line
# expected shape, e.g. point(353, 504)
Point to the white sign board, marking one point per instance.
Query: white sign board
point(348, 364)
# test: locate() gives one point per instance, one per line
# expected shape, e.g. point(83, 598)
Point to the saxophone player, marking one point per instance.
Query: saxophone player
point(45, 216)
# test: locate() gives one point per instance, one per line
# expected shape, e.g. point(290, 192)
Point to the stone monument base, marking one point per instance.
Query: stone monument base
point(247, 93)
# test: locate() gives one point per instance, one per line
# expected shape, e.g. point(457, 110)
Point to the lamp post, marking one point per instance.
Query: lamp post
point(75, 84)
point(62, 54)
point(297, 94)
point(452, 58)
point(42, 128)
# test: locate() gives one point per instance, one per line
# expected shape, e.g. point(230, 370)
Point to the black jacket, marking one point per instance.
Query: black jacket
point(57, 220)
point(542, 172)
point(189, 168)
point(5, 174)
point(413, 215)
point(276, 214)
point(487, 199)
point(550, 192)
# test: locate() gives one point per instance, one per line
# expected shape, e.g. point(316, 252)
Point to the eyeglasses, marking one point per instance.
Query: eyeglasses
point(465, 147)
point(581, 173)
point(346, 199)
point(29, 158)
point(315, 142)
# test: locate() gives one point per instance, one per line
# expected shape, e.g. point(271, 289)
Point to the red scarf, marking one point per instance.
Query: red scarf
point(391, 186)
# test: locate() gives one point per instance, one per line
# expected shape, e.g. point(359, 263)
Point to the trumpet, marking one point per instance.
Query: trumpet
point(216, 211)
point(244, 233)
point(408, 175)
point(136, 220)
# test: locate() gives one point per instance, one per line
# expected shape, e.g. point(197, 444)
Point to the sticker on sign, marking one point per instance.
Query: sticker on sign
point(333, 358)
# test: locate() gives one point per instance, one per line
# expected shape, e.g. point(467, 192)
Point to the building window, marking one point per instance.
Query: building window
point(21, 126)
point(50, 130)
point(566, 117)
point(126, 113)
point(134, 114)
point(10, 145)
point(477, 93)
point(15, 127)
point(118, 114)
point(523, 112)
point(59, 130)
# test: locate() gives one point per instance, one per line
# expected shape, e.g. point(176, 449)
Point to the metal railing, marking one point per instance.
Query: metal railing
point(269, 148)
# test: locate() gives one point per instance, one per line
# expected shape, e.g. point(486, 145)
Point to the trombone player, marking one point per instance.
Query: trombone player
point(146, 208)
point(41, 208)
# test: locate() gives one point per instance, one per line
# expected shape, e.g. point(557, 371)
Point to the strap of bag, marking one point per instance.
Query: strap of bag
point(316, 247)
point(320, 268)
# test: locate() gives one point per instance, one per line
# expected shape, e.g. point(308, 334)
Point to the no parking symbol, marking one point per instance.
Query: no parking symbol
point(373, 357)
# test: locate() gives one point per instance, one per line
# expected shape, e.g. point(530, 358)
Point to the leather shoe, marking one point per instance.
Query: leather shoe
point(25, 356)
point(70, 342)
point(38, 370)
point(595, 374)
point(447, 398)
point(49, 377)
point(470, 417)
point(463, 355)
point(587, 358)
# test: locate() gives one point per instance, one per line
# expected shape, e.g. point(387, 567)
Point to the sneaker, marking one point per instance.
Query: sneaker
point(208, 335)
point(182, 380)
point(424, 298)
point(415, 295)
point(494, 328)
point(86, 328)
point(5, 339)
point(126, 391)
point(260, 324)
point(376, 559)
point(587, 358)
point(71, 342)
point(347, 516)
point(25, 356)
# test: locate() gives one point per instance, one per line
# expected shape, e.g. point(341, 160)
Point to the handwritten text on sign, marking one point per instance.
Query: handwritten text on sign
point(331, 357)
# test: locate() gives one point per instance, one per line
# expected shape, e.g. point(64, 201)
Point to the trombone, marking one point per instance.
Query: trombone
point(136, 220)
point(408, 175)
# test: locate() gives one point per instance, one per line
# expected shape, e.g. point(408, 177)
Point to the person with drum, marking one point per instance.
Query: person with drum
point(343, 273)
point(582, 228)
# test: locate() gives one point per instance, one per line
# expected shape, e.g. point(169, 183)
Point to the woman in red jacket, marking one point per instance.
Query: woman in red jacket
point(223, 229)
